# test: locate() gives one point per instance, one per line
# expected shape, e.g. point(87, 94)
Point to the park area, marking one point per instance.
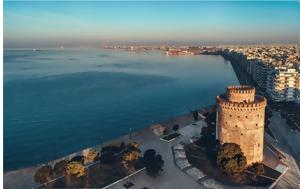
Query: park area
point(93, 170)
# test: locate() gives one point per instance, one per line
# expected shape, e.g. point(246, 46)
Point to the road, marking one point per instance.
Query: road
point(288, 142)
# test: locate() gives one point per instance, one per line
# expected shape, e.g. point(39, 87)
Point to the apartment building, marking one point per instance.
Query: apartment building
point(283, 83)
point(275, 69)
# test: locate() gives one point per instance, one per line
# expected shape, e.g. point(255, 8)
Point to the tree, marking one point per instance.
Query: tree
point(175, 127)
point(75, 168)
point(60, 167)
point(148, 154)
point(132, 152)
point(131, 156)
point(153, 162)
point(195, 115)
point(231, 159)
point(166, 131)
point(90, 156)
point(257, 169)
point(133, 146)
point(109, 154)
point(44, 174)
point(120, 146)
point(79, 159)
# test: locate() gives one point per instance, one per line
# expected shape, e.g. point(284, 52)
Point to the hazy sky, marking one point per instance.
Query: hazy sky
point(50, 24)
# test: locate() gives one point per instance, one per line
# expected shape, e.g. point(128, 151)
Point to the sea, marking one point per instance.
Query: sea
point(59, 101)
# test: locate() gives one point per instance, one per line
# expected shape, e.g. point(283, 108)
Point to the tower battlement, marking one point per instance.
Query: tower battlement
point(242, 93)
point(244, 89)
point(259, 102)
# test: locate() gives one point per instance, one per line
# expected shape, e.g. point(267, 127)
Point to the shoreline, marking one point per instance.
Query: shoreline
point(170, 120)
point(24, 177)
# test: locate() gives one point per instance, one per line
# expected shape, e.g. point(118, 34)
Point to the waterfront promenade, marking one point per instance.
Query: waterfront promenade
point(24, 178)
point(172, 176)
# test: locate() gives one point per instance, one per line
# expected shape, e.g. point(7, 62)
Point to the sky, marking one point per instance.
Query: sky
point(51, 24)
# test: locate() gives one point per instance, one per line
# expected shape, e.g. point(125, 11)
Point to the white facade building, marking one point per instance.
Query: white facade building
point(283, 83)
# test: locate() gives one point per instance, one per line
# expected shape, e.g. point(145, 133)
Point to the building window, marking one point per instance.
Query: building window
point(241, 133)
point(230, 115)
point(246, 117)
point(235, 126)
point(258, 145)
point(238, 116)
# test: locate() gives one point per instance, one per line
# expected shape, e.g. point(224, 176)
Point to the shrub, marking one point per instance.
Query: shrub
point(153, 162)
point(195, 115)
point(44, 174)
point(148, 154)
point(231, 159)
point(257, 169)
point(166, 131)
point(60, 167)
point(175, 127)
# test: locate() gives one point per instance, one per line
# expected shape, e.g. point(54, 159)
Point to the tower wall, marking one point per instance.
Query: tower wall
point(242, 122)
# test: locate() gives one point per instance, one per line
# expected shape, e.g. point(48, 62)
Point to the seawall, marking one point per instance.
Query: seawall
point(24, 178)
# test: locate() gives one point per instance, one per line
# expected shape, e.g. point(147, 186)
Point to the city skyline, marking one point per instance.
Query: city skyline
point(51, 24)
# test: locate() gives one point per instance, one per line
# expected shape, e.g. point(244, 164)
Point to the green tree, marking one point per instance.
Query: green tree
point(149, 153)
point(44, 174)
point(153, 162)
point(231, 159)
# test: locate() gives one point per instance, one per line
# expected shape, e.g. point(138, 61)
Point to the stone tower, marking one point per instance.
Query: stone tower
point(240, 120)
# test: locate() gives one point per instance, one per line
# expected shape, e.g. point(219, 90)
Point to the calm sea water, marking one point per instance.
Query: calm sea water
point(60, 101)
